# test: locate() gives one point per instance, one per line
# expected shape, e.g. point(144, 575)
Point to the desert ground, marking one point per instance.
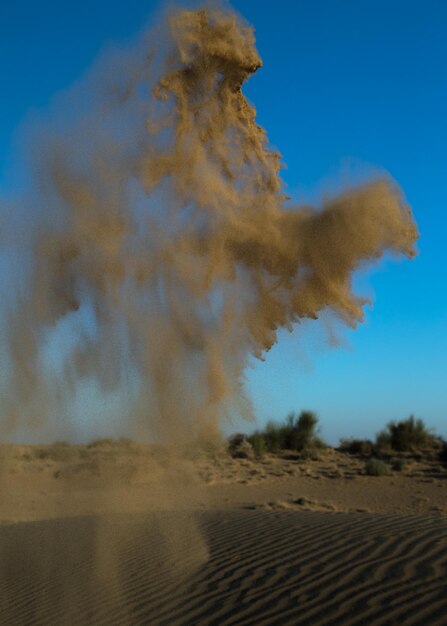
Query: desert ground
point(126, 534)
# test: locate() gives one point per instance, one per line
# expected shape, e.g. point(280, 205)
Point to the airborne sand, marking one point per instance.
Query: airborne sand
point(156, 229)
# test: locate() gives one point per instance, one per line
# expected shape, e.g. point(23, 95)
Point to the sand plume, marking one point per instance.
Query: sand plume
point(161, 237)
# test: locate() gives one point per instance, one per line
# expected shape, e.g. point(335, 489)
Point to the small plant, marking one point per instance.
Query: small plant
point(376, 467)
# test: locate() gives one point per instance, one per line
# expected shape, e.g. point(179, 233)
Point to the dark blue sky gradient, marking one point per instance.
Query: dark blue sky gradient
point(348, 88)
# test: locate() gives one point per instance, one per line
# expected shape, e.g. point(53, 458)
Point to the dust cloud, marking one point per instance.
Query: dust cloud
point(157, 242)
point(154, 252)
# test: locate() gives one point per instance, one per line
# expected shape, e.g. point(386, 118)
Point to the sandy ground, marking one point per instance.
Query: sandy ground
point(120, 534)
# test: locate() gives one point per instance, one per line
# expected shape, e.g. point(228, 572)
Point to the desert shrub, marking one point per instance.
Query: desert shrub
point(383, 440)
point(376, 467)
point(258, 443)
point(309, 454)
point(274, 437)
point(363, 447)
point(239, 447)
point(406, 435)
point(299, 432)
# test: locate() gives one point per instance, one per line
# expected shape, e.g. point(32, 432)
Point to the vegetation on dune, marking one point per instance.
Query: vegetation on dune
point(406, 436)
point(298, 433)
point(239, 447)
point(259, 444)
point(377, 467)
point(395, 448)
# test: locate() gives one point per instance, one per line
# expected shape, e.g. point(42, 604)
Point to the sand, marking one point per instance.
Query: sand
point(114, 535)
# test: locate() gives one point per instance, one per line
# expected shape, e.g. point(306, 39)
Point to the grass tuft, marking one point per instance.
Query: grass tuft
point(377, 467)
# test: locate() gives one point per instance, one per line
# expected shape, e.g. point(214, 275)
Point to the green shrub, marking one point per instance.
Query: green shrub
point(258, 443)
point(299, 432)
point(376, 467)
point(406, 435)
point(274, 437)
point(383, 440)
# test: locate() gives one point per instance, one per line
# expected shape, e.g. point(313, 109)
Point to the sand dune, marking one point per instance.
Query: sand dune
point(114, 535)
point(264, 567)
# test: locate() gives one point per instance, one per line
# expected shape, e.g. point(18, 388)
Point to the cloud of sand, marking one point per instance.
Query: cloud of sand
point(157, 226)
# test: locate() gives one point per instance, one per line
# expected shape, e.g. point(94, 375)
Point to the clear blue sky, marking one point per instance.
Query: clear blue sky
point(348, 87)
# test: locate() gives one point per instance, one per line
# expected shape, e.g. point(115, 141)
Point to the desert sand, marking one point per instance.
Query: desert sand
point(122, 534)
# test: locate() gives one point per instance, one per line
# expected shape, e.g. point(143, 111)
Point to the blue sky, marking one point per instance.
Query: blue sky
point(348, 88)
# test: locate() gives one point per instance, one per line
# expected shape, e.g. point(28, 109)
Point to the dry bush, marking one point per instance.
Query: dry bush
point(239, 447)
point(377, 467)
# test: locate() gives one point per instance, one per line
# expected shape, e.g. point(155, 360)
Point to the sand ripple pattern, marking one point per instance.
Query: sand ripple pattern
point(264, 568)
